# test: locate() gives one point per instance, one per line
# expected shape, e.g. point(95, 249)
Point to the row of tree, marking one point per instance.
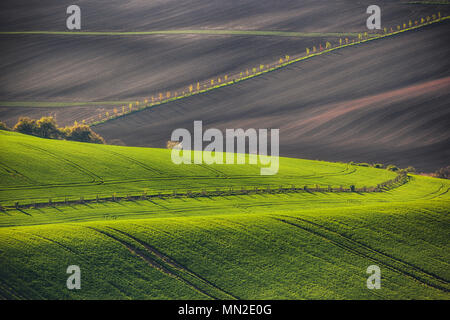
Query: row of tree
point(443, 173)
point(46, 127)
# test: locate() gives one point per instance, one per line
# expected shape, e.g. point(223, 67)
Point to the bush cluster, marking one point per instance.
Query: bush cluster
point(3, 126)
point(46, 127)
point(391, 167)
point(443, 173)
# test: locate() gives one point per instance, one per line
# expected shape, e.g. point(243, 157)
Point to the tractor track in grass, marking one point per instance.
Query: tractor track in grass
point(151, 262)
point(83, 170)
point(138, 163)
point(173, 263)
point(438, 278)
point(167, 178)
point(364, 251)
point(8, 293)
point(436, 193)
point(166, 265)
point(56, 243)
point(13, 171)
point(209, 168)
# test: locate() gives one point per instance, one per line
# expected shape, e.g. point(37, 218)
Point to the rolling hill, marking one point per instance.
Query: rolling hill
point(141, 227)
point(271, 245)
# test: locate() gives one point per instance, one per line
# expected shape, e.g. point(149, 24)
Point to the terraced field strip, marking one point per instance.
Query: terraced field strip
point(37, 170)
point(363, 250)
point(400, 180)
point(226, 80)
point(165, 264)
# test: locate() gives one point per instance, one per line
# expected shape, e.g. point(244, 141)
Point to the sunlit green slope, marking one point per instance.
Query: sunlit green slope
point(35, 169)
point(305, 245)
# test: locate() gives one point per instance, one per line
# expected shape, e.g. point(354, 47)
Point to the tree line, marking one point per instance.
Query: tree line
point(46, 127)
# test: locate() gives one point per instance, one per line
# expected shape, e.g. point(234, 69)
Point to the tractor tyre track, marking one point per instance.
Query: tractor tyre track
point(162, 265)
point(415, 274)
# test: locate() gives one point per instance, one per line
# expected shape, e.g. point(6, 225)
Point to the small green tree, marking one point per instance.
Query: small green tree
point(46, 128)
point(443, 173)
point(410, 169)
point(392, 167)
point(26, 125)
point(83, 133)
point(3, 126)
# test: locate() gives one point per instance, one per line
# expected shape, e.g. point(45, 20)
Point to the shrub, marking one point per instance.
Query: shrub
point(26, 125)
point(46, 128)
point(363, 164)
point(82, 133)
point(3, 126)
point(392, 167)
point(443, 173)
point(173, 144)
point(378, 165)
point(410, 169)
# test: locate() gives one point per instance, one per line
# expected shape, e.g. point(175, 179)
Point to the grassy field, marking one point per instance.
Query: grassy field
point(71, 169)
point(308, 245)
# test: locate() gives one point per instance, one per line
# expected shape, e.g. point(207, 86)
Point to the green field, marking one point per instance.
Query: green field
point(293, 245)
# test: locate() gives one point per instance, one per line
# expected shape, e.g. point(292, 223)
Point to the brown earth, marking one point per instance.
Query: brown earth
point(384, 101)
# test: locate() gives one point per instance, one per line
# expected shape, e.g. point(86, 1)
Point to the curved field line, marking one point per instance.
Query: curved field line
point(112, 182)
point(153, 178)
point(441, 194)
point(137, 162)
point(69, 162)
point(358, 248)
point(8, 292)
point(174, 263)
point(209, 168)
point(12, 170)
point(430, 274)
point(436, 194)
point(57, 244)
point(188, 32)
point(153, 263)
point(167, 178)
point(187, 194)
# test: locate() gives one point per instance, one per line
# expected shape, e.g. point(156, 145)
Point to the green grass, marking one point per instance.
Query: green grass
point(246, 256)
point(309, 245)
point(72, 170)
